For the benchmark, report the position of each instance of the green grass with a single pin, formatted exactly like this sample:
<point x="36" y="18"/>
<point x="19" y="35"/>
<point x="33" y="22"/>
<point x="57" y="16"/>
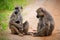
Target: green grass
<point x="10" y="4"/>
<point x="4" y="20"/>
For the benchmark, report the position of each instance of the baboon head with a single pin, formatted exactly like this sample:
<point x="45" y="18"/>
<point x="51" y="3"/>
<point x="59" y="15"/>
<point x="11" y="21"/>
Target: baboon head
<point x="40" y="12"/>
<point x="18" y="9"/>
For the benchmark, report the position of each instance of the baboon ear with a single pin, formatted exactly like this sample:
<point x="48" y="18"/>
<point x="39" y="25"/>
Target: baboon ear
<point x="21" y="7"/>
<point x="38" y="10"/>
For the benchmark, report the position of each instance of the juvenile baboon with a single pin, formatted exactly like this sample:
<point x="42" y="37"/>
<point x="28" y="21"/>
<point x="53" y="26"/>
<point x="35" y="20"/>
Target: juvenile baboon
<point x="25" y="27"/>
<point x="46" y="23"/>
<point x="15" y="23"/>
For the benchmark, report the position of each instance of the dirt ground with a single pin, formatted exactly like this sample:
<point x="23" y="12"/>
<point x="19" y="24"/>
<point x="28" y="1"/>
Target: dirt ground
<point x="52" y="6"/>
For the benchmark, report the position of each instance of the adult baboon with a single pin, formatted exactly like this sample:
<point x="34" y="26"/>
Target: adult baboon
<point x="15" y="23"/>
<point x="46" y="23"/>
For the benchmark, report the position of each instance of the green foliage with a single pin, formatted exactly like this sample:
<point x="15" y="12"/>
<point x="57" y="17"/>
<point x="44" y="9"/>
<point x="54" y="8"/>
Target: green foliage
<point x="4" y="4"/>
<point x="9" y="4"/>
<point x="3" y="20"/>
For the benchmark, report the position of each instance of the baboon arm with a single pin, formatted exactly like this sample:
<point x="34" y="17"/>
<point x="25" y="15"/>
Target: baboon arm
<point x="16" y="30"/>
<point x="13" y="23"/>
<point x="12" y="16"/>
<point x="46" y="27"/>
<point x="42" y="29"/>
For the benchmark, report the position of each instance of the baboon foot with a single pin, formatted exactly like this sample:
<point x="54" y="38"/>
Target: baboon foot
<point x="29" y="33"/>
<point x="48" y="34"/>
<point x="35" y="35"/>
<point x="38" y="35"/>
<point x="20" y="35"/>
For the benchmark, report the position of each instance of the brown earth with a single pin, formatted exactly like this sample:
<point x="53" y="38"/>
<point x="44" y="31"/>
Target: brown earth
<point x="52" y="6"/>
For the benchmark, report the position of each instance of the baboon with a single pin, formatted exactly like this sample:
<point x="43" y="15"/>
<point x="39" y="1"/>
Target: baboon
<point x="46" y="23"/>
<point x="25" y="27"/>
<point x="15" y="23"/>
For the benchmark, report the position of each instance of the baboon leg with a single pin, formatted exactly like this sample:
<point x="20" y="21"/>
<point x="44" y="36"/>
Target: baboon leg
<point x="11" y="28"/>
<point x="47" y="24"/>
<point x="51" y="29"/>
<point x="14" y="30"/>
<point x="40" y="32"/>
<point x="20" y="34"/>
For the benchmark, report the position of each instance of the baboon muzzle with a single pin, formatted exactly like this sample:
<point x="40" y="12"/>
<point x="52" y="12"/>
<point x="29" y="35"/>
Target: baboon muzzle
<point x="17" y="22"/>
<point x="16" y="12"/>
